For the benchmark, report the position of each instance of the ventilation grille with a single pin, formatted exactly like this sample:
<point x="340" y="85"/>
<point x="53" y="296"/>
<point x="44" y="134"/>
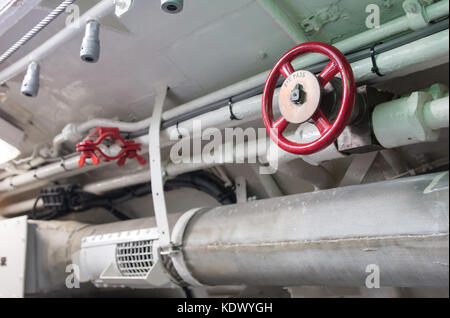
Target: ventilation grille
<point x="135" y="259"/>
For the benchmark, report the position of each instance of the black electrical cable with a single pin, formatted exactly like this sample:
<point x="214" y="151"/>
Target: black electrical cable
<point x="80" y="201"/>
<point x="33" y="211"/>
<point x="199" y="180"/>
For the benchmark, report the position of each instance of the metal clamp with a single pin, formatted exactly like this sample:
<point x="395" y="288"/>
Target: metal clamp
<point x="375" y="68"/>
<point x="90" y="149"/>
<point x="230" y="107"/>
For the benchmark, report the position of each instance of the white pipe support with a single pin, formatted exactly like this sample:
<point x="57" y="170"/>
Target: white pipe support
<point x="410" y="120"/>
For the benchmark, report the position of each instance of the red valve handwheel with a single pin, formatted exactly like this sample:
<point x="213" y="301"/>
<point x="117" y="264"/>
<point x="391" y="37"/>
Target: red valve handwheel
<point x="328" y="132"/>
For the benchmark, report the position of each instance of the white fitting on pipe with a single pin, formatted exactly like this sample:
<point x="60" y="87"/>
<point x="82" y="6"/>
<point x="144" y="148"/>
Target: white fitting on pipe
<point x="436" y="113"/>
<point x="410" y="120"/>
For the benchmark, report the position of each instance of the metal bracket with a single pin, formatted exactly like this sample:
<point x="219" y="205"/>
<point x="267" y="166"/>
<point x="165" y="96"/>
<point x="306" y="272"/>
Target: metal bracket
<point x="122" y="7"/>
<point x="415" y="13"/>
<point x="358" y="168"/>
<point x="157" y="173"/>
<point x="316" y="21"/>
<point x="241" y="189"/>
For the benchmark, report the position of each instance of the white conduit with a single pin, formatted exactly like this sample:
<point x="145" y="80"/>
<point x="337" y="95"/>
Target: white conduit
<point x="98" y="11"/>
<point x="420" y="54"/>
<point x="394" y="27"/>
<point x="426" y="50"/>
<point x="397" y="26"/>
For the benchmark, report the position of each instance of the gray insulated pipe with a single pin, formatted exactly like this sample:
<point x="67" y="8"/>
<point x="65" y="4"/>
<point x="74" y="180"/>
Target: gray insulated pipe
<point x="329" y="237"/>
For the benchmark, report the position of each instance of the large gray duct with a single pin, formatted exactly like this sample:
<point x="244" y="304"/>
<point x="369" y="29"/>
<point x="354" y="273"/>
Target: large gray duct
<point x="328" y="237"/>
<point x="324" y="238"/>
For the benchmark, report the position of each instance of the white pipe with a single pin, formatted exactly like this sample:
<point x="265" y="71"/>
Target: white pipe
<point x="97" y="12"/>
<point x="436" y="113"/>
<point x="410" y="58"/>
<point x="171" y="170"/>
<point x="114" y="183"/>
<point x="419" y="53"/>
<point x="394" y="27"/>
<point x="63" y="168"/>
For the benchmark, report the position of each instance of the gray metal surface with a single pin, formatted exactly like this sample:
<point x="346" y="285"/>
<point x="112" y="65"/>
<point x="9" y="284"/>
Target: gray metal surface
<point x="13" y="249"/>
<point x="327" y="237"/>
<point x="322" y="238"/>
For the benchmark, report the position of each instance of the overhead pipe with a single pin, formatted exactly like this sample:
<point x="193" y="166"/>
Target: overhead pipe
<point x="317" y="176"/>
<point x="420" y="53"/>
<point x="59" y="169"/>
<point x="417" y="53"/>
<point x="394" y="27"/>
<point x="399" y="226"/>
<point x="384" y="31"/>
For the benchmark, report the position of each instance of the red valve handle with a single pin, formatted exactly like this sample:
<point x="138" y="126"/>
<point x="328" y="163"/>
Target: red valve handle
<point x="328" y="132"/>
<point x="90" y="149"/>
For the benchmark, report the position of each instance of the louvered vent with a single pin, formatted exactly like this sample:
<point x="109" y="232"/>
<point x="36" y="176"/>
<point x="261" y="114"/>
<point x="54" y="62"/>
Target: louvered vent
<point x="135" y="259"/>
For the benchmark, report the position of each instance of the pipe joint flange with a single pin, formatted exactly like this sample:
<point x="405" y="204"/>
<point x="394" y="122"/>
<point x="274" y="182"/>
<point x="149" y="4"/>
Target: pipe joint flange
<point x="401" y="122"/>
<point x="415" y="13"/>
<point x="177" y="257"/>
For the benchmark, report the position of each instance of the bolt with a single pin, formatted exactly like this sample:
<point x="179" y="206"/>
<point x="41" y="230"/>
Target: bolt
<point x="297" y="95"/>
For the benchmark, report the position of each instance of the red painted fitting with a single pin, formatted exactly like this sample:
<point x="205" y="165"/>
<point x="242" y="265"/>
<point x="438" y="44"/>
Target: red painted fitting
<point x="90" y="149"/>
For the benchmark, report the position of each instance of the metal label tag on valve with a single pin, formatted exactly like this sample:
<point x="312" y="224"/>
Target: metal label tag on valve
<point x="299" y="97"/>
